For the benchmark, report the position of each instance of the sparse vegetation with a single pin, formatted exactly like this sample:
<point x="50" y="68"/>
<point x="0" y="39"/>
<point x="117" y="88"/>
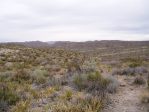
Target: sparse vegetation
<point x="89" y="104"/>
<point x="7" y="97"/>
<point x="131" y="71"/>
<point x="75" y="79"/>
<point x="22" y="106"/>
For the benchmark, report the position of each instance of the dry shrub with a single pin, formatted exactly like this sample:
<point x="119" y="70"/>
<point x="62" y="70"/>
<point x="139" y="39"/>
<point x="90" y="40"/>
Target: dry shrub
<point x="93" y="83"/>
<point x="88" y="104"/>
<point x="139" y="80"/>
<point x="113" y="85"/>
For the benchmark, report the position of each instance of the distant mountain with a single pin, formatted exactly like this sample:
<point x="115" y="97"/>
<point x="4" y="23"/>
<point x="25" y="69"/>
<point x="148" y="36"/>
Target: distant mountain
<point x="88" y="45"/>
<point x="34" y="44"/>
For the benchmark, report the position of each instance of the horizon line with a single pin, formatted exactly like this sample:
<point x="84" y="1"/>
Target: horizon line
<point x="71" y="41"/>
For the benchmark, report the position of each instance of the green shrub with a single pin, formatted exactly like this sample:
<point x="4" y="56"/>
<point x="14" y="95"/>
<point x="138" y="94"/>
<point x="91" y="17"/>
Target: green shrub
<point x="113" y="85"/>
<point x="79" y="82"/>
<point x="93" y="82"/>
<point x="39" y="76"/>
<point x="94" y="76"/>
<point x="22" y="106"/>
<point x="7" y="95"/>
<point x="67" y="95"/>
<point x="6" y="76"/>
<point x="131" y="71"/>
<point x="96" y="83"/>
<point x="135" y="64"/>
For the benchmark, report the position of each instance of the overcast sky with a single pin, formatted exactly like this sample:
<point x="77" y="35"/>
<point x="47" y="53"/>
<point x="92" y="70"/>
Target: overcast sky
<point x="74" y="20"/>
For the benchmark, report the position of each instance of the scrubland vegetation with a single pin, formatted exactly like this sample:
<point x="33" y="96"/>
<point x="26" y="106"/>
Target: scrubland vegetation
<point x="55" y="79"/>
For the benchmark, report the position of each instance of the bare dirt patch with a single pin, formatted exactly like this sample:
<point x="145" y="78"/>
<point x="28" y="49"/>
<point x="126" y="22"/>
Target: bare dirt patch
<point x="127" y="99"/>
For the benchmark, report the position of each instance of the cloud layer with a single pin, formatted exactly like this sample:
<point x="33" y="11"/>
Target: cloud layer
<point x="74" y="20"/>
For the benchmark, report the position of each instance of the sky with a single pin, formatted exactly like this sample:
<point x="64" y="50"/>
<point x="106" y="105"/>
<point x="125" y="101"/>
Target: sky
<point x="73" y="20"/>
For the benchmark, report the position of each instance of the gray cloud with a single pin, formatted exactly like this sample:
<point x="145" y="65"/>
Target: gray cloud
<point x="76" y="20"/>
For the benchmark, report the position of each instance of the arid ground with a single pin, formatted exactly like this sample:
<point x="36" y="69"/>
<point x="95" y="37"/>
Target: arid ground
<point x="93" y="76"/>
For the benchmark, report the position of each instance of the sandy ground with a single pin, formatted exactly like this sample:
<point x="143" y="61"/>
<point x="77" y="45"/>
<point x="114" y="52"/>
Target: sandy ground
<point x="127" y="99"/>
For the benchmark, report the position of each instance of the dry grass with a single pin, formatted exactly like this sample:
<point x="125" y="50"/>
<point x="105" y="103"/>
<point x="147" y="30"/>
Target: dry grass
<point x="30" y="75"/>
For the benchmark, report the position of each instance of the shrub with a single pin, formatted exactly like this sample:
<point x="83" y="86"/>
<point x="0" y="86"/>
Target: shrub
<point x="8" y="96"/>
<point x="35" y="94"/>
<point x="22" y="106"/>
<point x="131" y="71"/>
<point x="39" y="76"/>
<point x="113" y="85"/>
<point x="79" y="82"/>
<point x="89" y="104"/>
<point x="6" y="76"/>
<point x="21" y="75"/>
<point x="139" y="80"/>
<point x="92" y="104"/>
<point x="96" y="84"/>
<point x="141" y="70"/>
<point x="53" y="81"/>
<point x="67" y="95"/>
<point x="46" y="92"/>
<point x="92" y="82"/>
<point x="128" y="71"/>
<point x="4" y="106"/>
<point x="98" y="87"/>
<point x="135" y="64"/>
<point x="94" y="76"/>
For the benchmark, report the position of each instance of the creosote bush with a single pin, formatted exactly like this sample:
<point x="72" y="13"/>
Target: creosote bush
<point x="93" y="83"/>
